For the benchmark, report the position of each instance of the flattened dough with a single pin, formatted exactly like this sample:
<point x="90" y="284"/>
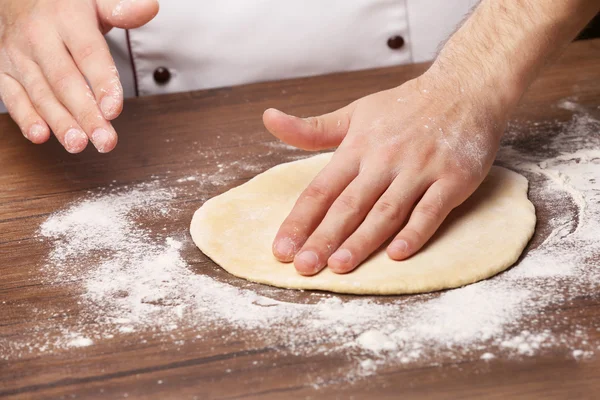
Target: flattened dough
<point x="482" y="237"/>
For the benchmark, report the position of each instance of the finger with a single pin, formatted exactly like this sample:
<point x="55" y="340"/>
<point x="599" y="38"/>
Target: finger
<point x="315" y="133"/>
<point x="65" y="128"/>
<point x="22" y="111"/>
<point x="72" y="91"/>
<point x="384" y="220"/>
<point x="344" y="216"/>
<point x="312" y="205"/>
<point x="127" y="14"/>
<point x="92" y="57"/>
<point x="426" y="218"/>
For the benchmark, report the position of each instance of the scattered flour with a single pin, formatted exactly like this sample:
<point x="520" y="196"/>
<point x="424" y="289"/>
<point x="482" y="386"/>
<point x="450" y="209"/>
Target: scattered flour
<point x="80" y="341"/>
<point x="134" y="281"/>
<point x="569" y="104"/>
<point x="220" y="173"/>
<point x="187" y="179"/>
<point x="281" y="146"/>
<point x="376" y="341"/>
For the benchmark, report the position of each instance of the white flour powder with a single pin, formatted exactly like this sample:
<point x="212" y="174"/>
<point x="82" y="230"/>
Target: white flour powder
<point x="134" y="281"/>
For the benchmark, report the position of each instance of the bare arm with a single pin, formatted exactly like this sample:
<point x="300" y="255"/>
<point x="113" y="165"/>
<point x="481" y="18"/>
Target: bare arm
<point x="504" y="44"/>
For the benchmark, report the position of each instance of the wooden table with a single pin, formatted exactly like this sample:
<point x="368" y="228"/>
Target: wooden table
<point x="161" y="137"/>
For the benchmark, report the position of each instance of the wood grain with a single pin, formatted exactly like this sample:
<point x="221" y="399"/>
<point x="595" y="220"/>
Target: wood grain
<point x="169" y="137"/>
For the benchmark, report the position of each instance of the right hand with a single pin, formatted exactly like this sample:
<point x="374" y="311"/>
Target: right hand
<point x="48" y="49"/>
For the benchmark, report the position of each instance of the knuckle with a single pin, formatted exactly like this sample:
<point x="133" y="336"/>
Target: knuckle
<point x="35" y="31"/>
<point x="354" y="144"/>
<point x="94" y="51"/>
<point x="39" y="93"/>
<point x="85" y="51"/>
<point x="421" y="159"/>
<point x="388" y="210"/>
<point x="316" y="192"/>
<point x="348" y="204"/>
<point x="429" y="211"/>
<point x="60" y="79"/>
<point x="387" y="159"/>
<point x="12" y="53"/>
<point x="29" y="73"/>
<point x="32" y="31"/>
<point x="315" y="123"/>
<point x="87" y="116"/>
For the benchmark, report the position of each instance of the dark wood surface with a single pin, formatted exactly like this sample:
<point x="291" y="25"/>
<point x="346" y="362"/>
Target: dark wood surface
<point x="162" y="137"/>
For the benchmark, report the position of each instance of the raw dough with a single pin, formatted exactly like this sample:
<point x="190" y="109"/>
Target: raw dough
<point x="482" y="237"/>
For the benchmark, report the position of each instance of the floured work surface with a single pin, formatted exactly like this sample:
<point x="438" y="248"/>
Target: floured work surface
<point x="483" y="236"/>
<point x="132" y="281"/>
<point x="105" y="295"/>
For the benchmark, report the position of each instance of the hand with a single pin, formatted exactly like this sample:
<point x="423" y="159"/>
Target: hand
<point x="48" y="49"/>
<point x="406" y="157"/>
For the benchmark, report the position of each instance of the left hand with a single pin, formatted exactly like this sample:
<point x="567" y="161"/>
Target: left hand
<point x="406" y="157"/>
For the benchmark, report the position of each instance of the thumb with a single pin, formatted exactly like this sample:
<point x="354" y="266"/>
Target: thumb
<point x="314" y="133"/>
<point x="126" y="13"/>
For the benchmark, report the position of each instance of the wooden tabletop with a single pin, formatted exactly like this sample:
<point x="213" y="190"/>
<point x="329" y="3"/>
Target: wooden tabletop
<point x="167" y="138"/>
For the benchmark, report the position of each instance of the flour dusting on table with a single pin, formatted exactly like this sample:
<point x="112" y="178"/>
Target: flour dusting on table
<point x="136" y="281"/>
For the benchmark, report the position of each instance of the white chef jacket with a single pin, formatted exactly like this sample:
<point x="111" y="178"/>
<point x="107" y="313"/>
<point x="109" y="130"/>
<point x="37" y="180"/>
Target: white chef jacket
<point x="208" y="43"/>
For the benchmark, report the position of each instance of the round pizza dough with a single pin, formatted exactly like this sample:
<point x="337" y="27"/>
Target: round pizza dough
<point x="479" y="239"/>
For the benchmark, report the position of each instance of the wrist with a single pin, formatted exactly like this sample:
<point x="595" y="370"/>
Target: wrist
<point x="496" y="89"/>
<point x="483" y="98"/>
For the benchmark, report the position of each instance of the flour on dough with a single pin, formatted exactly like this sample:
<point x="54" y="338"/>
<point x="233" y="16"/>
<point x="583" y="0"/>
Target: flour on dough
<point x="479" y="239"/>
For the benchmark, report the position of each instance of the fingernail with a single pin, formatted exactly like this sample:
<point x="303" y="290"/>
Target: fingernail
<point x="276" y="111"/>
<point x="122" y="9"/>
<point x="343" y="256"/>
<point x="35" y="132"/>
<point x="307" y="260"/>
<point x="75" y="140"/>
<point x="285" y="248"/>
<point x="109" y="105"/>
<point x="102" y="139"/>
<point x="398" y="246"/>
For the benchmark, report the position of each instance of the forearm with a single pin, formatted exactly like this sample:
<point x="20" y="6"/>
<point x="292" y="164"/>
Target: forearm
<point x="502" y="46"/>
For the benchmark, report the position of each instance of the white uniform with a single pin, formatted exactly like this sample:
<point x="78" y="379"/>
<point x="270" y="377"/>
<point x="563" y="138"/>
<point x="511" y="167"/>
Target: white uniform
<point x="205" y="44"/>
<point x="200" y="44"/>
